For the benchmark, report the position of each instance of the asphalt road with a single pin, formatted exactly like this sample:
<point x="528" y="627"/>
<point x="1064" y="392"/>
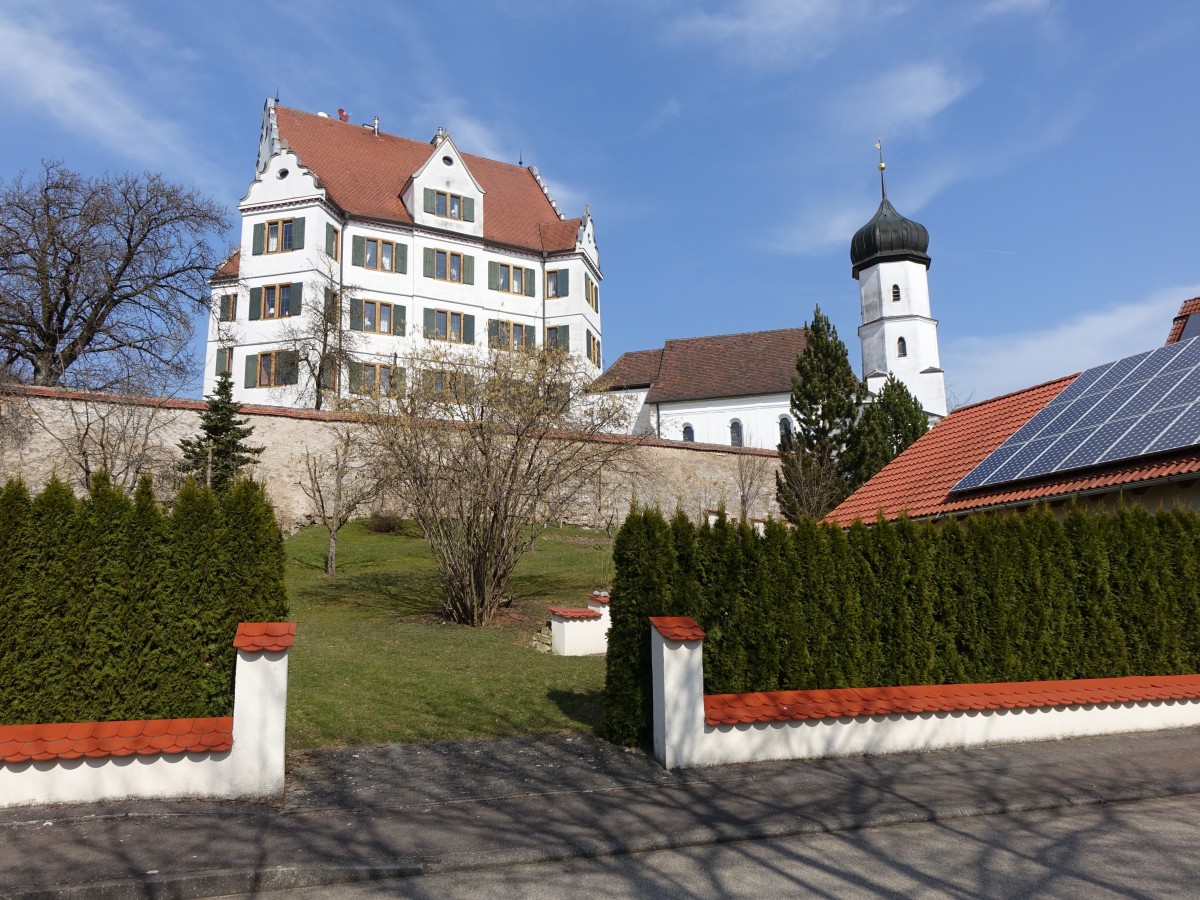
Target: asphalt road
<point x="1147" y="848"/>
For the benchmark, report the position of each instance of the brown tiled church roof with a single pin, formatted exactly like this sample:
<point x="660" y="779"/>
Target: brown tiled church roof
<point x="365" y="174"/>
<point x="703" y="368"/>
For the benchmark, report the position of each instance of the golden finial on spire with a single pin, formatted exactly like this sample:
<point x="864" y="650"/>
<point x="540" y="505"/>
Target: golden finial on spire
<point x="882" y="166"/>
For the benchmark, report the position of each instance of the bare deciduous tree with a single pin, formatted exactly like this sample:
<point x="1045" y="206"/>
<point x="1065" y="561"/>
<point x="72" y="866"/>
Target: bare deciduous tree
<point x="488" y="449"/>
<point x="753" y="474"/>
<point x="340" y="483"/>
<point x="100" y="277"/>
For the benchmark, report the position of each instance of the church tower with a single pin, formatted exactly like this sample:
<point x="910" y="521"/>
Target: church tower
<point x="898" y="334"/>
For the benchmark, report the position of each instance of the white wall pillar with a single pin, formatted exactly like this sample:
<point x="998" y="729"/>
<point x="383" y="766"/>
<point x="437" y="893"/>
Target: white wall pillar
<point x="677" y="662"/>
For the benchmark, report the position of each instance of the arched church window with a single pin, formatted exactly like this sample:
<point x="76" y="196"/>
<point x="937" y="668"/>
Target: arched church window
<point x="895" y="293"/>
<point x="689" y="433"/>
<point x="735" y="433"/>
<point x="901" y="347"/>
<point x="785" y="427"/>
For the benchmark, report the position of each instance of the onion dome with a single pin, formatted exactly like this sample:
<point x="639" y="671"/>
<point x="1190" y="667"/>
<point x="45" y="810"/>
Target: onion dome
<point x="889" y="237"/>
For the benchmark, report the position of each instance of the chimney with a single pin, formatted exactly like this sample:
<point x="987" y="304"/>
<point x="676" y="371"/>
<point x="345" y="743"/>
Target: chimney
<point x="375" y="125"/>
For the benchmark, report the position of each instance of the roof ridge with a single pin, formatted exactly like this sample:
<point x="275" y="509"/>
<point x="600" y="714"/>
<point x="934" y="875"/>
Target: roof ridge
<point x="1016" y="393"/>
<point x="706" y="337"/>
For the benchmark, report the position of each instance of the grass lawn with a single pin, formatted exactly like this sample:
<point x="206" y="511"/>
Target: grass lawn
<point x="374" y="663"/>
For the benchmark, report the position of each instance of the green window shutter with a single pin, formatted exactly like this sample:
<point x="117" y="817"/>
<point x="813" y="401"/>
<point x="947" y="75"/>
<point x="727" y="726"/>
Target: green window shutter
<point x="296" y="304"/>
<point x="599" y="356"/>
<point x="428" y="262"/>
<point x="430" y="323"/>
<point x="358" y="250"/>
<point x="468" y="329"/>
<point x="355" y="377"/>
<point x="399" y="321"/>
<point x="255" y="303"/>
<point x="468" y="209"/>
<point x="530" y="338"/>
<point x="493" y="333"/>
<point x="493" y="275"/>
<point x="326" y="374"/>
<point x="564" y="336"/>
<point x="289" y="367"/>
<point x="298" y="234"/>
<point x="587" y="345"/>
<point x="330" y="307"/>
<point x="356" y="313"/>
<point x="402" y="259"/>
<point x="223" y="315"/>
<point x="597" y="298"/>
<point x="468" y="270"/>
<point x="398" y="380"/>
<point x="564" y="283"/>
<point x="259" y="241"/>
<point x="587" y="287"/>
<point x="430" y="200"/>
<point x="252" y="370"/>
<point x="222" y="360"/>
<point x="330" y="240"/>
<point x="530" y="288"/>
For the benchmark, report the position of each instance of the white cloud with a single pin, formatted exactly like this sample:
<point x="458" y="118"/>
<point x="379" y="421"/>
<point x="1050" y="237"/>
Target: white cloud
<point x="819" y="230"/>
<point x="1019" y="7"/>
<point x="900" y="101"/>
<point x="670" y="109"/>
<point x="772" y="33"/>
<point x="47" y="73"/>
<point x="981" y="367"/>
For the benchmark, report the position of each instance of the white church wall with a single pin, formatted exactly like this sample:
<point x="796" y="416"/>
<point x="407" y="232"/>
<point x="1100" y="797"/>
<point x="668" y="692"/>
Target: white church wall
<point x="710" y="419"/>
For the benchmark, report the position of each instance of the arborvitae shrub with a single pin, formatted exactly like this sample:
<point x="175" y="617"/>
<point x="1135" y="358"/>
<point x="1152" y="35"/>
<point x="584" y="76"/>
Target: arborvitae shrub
<point x="1001" y="597"/>
<point x="109" y="610"/>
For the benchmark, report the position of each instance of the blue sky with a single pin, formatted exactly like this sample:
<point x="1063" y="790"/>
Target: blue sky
<point x="726" y="149"/>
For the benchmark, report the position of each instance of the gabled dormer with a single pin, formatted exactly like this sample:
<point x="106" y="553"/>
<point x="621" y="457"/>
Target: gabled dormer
<point x="586" y="240"/>
<point x="282" y="179"/>
<point x="443" y="193"/>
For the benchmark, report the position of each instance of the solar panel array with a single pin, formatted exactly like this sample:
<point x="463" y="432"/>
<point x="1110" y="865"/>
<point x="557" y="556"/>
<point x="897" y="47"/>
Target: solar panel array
<point x="1142" y="404"/>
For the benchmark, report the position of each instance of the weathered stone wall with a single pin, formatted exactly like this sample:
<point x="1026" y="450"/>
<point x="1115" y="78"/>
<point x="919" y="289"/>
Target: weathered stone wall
<point x="47" y="432"/>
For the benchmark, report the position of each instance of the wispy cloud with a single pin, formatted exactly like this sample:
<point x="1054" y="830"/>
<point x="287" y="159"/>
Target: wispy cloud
<point x="1009" y="7"/>
<point x="772" y="33"/>
<point x="669" y="109"/>
<point x="47" y="73"/>
<point x="983" y="367"/>
<point x="900" y="101"/>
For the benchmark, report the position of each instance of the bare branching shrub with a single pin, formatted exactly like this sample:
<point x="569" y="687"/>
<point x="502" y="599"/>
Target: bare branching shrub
<point x="340" y="482"/>
<point x="487" y="449"/>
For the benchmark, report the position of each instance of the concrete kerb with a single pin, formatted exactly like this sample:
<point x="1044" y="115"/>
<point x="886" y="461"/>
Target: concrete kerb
<point x="221" y="882"/>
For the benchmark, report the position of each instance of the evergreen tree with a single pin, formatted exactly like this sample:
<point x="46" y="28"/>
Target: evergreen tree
<point x="220" y="451"/>
<point x="825" y="398"/>
<point x="885" y="429"/>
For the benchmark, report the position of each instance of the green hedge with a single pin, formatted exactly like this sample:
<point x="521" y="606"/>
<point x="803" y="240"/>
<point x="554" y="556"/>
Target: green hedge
<point x="1001" y="597"/>
<point x="112" y="609"/>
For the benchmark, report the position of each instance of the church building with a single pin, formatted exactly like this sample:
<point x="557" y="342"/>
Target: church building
<point x="358" y="248"/>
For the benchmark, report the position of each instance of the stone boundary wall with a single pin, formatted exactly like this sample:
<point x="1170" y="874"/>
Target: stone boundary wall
<point x="46" y="431"/>
<point x="694" y="729"/>
<point x="218" y="758"/>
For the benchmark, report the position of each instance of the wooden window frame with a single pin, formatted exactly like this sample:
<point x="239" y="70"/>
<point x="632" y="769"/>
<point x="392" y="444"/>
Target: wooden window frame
<point x="273" y="381"/>
<point x="282" y="231"/>
<point x="379" y="304"/>
<point x="449" y="330"/>
<point x="512" y="271"/>
<point x="231" y="299"/>
<point x="337" y="246"/>
<point x="593" y="295"/>
<point x="552" y="344"/>
<point x="506" y="329"/>
<point x="593" y="349"/>
<point x="449" y="199"/>
<point x="278" y="288"/>
<point x="379" y="244"/>
<point x="376" y="369"/>
<point x="448" y="256"/>
<point x="552" y="295"/>
<point x="228" y="370"/>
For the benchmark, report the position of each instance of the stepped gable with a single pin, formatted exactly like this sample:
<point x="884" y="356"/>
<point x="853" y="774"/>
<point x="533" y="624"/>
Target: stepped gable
<point x="365" y="174"/>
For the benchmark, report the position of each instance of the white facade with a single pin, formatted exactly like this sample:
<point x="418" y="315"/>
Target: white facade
<point x="714" y="421"/>
<point x="898" y="332"/>
<point x="392" y="282"/>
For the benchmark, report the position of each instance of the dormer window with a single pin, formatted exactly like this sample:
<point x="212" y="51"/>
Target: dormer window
<point x="449" y="206"/>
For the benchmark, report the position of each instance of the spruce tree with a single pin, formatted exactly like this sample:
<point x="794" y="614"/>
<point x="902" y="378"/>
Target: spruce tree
<point x="219" y="452"/>
<point x="825" y="398"/>
<point x="886" y="428"/>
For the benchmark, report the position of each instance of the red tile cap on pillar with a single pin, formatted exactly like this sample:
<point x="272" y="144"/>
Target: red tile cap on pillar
<point x="677" y="628"/>
<point x="256" y="637"/>
<point x="569" y="612"/>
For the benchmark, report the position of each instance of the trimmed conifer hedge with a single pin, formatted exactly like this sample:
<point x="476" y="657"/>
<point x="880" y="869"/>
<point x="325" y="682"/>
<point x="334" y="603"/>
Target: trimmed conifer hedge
<point x="111" y="609"/>
<point x="1000" y="597"/>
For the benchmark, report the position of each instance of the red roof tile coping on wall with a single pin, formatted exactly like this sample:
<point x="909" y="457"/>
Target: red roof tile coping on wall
<point x="96" y="740"/>
<point x="256" y="637"/>
<point x="564" y="612"/>
<point x="784" y="706"/>
<point x="1189" y="308"/>
<point x="677" y="628"/>
<point x="599" y="597"/>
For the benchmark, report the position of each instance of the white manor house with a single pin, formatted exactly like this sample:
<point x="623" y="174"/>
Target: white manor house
<point x="411" y="242"/>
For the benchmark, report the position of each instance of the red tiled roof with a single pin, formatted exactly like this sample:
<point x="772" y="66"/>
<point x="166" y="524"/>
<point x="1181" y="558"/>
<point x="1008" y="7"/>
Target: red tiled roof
<point x="230" y="268"/>
<point x="566" y="612"/>
<point x="599" y="597"/>
<point x="21" y="743"/>
<point x="722" y="365"/>
<point x="782" y="706"/>
<point x="365" y="174"/>
<point x="917" y="483"/>
<point x="265" y="636"/>
<point x="677" y="628"/>
<point x="1180" y="321"/>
